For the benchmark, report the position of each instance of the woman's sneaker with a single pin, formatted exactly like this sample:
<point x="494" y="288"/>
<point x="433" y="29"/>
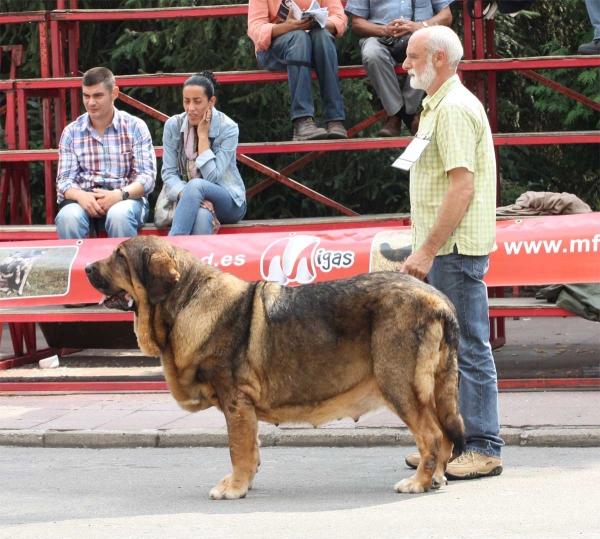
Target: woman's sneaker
<point x="470" y="465"/>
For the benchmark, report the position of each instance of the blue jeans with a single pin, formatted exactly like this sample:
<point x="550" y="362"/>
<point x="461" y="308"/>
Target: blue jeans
<point x="593" y="9"/>
<point x="318" y="48"/>
<point x="460" y="277"/>
<point x="190" y="218"/>
<point x="122" y="220"/>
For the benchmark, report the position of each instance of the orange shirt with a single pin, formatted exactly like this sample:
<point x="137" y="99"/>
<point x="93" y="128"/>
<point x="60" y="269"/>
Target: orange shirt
<point x="262" y="16"/>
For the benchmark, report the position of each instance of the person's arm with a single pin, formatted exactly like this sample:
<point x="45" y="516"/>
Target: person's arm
<point x="452" y="210"/>
<point x="337" y="21"/>
<point x="68" y="167"/>
<point x="67" y="178"/>
<point x="169" y="171"/>
<point x="143" y="173"/>
<point x="260" y="26"/>
<point x="364" y="28"/>
<point x="214" y="164"/>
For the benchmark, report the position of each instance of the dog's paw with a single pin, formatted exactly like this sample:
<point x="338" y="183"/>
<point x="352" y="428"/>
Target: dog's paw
<point x="228" y="489"/>
<point x="438" y="482"/>
<point x="409" y="486"/>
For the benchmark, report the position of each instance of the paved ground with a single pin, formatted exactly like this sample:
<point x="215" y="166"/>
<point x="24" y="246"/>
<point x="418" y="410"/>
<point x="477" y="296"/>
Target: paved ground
<point x="544" y="493"/>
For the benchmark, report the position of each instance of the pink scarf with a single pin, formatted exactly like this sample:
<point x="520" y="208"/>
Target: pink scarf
<point x="190" y="142"/>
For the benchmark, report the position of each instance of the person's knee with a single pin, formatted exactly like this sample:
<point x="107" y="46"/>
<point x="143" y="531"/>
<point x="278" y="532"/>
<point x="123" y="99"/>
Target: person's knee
<point x="373" y="54"/>
<point x="195" y="188"/>
<point x="321" y="36"/>
<point x="299" y="46"/>
<point x="122" y="220"/>
<point x="72" y="222"/>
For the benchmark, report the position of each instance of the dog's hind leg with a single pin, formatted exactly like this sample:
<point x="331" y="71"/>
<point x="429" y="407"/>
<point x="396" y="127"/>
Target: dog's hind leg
<point x="405" y="373"/>
<point x="428" y="437"/>
<point x="242" y="427"/>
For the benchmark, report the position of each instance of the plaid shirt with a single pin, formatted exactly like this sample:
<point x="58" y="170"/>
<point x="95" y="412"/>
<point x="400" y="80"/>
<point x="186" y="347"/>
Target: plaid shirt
<point x="122" y="156"/>
<point x="454" y="120"/>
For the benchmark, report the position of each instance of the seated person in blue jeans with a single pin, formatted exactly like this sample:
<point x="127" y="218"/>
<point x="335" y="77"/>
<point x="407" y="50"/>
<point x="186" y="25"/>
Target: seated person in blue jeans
<point x="297" y="46"/>
<point x="106" y="165"/>
<point x="199" y="168"/>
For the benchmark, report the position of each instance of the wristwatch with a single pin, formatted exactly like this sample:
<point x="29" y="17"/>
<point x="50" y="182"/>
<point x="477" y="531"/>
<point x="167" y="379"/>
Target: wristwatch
<point x="425" y="24"/>
<point x="125" y="193"/>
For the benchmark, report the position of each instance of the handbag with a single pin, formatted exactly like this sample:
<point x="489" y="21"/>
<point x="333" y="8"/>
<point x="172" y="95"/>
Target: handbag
<point x="398" y="45"/>
<point x="164" y="210"/>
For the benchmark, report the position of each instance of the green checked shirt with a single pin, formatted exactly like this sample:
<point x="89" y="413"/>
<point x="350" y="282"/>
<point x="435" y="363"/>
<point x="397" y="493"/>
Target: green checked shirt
<point x="455" y="122"/>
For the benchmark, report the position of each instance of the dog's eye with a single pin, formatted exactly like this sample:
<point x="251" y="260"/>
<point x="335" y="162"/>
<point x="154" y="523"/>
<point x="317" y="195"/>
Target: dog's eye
<point x="120" y="256"/>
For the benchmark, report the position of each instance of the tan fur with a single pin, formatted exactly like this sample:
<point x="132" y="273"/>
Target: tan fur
<point x="258" y="351"/>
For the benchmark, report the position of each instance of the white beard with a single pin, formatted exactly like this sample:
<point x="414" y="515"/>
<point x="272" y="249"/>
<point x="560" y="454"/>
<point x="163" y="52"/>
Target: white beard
<point x="425" y="79"/>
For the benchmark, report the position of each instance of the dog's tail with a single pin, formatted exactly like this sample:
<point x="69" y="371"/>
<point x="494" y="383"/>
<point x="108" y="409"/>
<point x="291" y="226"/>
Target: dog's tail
<point x="446" y="382"/>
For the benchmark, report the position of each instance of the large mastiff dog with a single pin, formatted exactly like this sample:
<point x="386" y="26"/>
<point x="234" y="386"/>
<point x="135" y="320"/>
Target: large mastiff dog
<point x="313" y="353"/>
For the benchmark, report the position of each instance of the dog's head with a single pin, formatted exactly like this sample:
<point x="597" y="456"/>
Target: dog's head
<point x="141" y="269"/>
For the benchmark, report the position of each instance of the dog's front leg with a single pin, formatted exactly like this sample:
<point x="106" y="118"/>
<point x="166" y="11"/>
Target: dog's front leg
<point x="242" y="427"/>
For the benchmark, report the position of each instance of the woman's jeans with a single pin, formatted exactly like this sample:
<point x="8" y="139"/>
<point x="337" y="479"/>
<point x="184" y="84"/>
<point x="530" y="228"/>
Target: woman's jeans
<point x="190" y="218"/>
<point x="316" y="47"/>
<point x="460" y="277"/>
<point x="122" y="220"/>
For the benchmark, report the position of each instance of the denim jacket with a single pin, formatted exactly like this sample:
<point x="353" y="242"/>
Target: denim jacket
<point x="217" y="164"/>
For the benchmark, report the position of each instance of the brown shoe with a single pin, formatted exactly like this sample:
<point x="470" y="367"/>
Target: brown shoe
<point x="471" y="465"/>
<point x="336" y="130"/>
<point x="306" y="129"/>
<point x="412" y="460"/>
<point x="391" y="127"/>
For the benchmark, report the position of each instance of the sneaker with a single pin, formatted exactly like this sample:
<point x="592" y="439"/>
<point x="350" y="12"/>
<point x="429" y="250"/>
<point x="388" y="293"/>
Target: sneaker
<point x="471" y="465"/>
<point x="412" y="460"/>
<point x="391" y="127"/>
<point x="336" y="130"/>
<point x="590" y="48"/>
<point x="306" y="129"/>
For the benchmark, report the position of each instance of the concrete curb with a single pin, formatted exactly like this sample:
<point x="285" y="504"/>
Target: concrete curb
<point x="273" y="436"/>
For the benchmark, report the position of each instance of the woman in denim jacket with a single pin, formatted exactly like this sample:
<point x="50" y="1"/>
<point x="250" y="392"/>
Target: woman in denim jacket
<point x="199" y="168"/>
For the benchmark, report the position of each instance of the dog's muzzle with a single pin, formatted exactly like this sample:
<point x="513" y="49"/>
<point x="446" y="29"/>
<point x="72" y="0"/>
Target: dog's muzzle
<point x="120" y="300"/>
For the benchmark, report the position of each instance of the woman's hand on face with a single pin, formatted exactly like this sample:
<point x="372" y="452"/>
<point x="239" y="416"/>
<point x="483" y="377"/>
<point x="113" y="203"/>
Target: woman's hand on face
<point x="204" y="125"/>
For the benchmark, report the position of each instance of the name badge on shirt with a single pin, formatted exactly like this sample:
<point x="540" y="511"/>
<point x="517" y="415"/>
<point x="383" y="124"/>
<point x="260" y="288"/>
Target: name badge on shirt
<point x="411" y="154"/>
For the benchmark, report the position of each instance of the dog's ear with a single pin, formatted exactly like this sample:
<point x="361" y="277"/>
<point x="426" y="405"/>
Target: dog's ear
<point x="160" y="275"/>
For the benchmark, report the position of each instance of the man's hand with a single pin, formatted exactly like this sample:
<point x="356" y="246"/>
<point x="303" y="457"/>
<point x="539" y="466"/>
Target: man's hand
<point x="89" y="203"/>
<point x="418" y="264"/>
<point x="400" y="27"/>
<point x="106" y="199"/>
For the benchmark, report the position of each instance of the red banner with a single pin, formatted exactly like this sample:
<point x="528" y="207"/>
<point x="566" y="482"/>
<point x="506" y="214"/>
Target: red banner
<point x="533" y="251"/>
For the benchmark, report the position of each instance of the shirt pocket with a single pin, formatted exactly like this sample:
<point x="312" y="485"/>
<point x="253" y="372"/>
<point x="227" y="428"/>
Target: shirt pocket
<point x="125" y="160"/>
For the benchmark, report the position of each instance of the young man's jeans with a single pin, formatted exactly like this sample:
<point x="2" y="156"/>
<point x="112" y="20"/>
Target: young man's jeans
<point x="460" y="277"/>
<point x="190" y="218"/>
<point x="316" y="47"/>
<point x="122" y="220"/>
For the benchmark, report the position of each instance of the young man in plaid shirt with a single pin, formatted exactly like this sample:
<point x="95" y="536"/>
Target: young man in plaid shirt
<point x="106" y="166"/>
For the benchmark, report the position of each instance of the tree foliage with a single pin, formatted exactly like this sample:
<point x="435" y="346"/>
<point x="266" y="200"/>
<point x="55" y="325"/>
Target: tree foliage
<point x="361" y="180"/>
